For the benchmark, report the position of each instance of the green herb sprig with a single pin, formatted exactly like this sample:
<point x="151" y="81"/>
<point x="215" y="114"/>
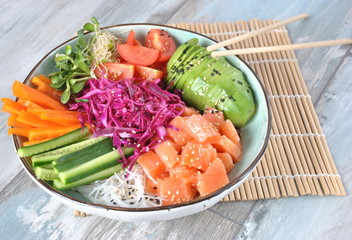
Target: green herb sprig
<point x="75" y="63"/>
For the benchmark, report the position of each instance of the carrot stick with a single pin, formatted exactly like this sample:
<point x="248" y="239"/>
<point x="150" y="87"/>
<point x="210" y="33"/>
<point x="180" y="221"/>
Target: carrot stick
<point x="19" y="131"/>
<point x="9" y="109"/>
<point x="21" y="90"/>
<point x="45" y="87"/>
<point x="28" y="143"/>
<point x="12" y="122"/>
<point x="33" y="120"/>
<point x="57" y="116"/>
<point x="13" y="104"/>
<point x="50" y="91"/>
<point x="45" y="79"/>
<point x="28" y="104"/>
<point x="50" y="132"/>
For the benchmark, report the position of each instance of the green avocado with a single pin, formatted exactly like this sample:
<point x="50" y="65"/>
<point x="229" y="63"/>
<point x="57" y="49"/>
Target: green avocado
<point x="208" y="81"/>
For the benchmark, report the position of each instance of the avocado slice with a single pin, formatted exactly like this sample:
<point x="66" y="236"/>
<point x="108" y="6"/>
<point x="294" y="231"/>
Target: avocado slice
<point x="207" y="81"/>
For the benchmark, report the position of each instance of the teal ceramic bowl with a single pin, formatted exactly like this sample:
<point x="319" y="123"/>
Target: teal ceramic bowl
<point x="254" y="139"/>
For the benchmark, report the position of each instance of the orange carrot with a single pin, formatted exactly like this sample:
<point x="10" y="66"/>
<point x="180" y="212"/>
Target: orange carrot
<point x="45" y="87"/>
<point x="12" y="122"/>
<point x="21" y="90"/>
<point x="28" y="143"/>
<point x="57" y="116"/>
<point x="45" y="79"/>
<point x="19" y="131"/>
<point x="50" y="91"/>
<point x="9" y="109"/>
<point x="33" y="120"/>
<point x="28" y="104"/>
<point x="13" y="104"/>
<point x="50" y="132"/>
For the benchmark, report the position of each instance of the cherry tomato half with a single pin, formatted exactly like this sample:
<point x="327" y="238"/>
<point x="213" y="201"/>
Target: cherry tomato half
<point x="130" y="38"/>
<point x="147" y="73"/>
<point x="138" y="55"/>
<point x="115" y="71"/>
<point x="161" y="40"/>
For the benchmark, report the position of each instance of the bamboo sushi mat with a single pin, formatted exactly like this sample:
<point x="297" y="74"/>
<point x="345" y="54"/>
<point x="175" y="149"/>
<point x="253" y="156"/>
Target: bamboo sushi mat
<point x="297" y="161"/>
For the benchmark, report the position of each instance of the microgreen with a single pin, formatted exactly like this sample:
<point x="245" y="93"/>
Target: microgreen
<point x="75" y="63"/>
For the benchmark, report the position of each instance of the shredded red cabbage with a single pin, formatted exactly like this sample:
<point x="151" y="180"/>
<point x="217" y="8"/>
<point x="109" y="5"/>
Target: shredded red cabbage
<point x="134" y="113"/>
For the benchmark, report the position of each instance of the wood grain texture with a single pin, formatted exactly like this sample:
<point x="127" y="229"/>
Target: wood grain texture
<point x="29" y="29"/>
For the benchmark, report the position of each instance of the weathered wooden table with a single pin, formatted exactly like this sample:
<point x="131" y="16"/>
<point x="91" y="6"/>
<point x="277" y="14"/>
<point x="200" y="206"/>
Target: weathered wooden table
<point x="29" y="29"/>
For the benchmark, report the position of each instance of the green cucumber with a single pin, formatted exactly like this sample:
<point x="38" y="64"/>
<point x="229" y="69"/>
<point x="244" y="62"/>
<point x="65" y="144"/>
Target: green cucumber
<point x="58" y="184"/>
<point x="46" y="172"/>
<point x="48" y="157"/>
<point x="74" y="159"/>
<point x="53" y="143"/>
<point x="96" y="165"/>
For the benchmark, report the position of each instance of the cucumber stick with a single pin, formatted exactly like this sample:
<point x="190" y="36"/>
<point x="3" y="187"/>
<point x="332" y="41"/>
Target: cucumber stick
<point x="83" y="155"/>
<point x="48" y="157"/>
<point x="93" y="166"/>
<point x="46" y="172"/>
<point x="63" y="140"/>
<point x="58" y="184"/>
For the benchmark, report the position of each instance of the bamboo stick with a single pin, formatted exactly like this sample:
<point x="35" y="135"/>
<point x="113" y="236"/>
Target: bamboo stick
<point x="256" y="32"/>
<point x="282" y="47"/>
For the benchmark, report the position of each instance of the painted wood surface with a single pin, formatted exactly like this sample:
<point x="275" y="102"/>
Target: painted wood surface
<point x="29" y="29"/>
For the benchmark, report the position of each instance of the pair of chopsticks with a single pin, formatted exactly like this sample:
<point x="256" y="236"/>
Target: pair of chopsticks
<point x="272" y="48"/>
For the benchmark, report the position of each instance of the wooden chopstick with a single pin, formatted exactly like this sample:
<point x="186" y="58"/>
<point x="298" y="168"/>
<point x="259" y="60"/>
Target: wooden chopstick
<point x="282" y="47"/>
<point x="256" y="32"/>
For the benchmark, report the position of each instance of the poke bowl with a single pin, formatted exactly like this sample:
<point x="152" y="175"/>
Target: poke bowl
<point x="254" y="137"/>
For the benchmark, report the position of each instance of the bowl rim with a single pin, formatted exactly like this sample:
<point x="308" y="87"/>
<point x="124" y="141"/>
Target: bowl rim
<point x="198" y="200"/>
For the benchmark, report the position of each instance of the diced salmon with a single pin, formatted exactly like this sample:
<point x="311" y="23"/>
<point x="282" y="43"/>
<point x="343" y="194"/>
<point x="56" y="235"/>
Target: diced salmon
<point x="189" y="111"/>
<point x="179" y="135"/>
<point x="223" y="144"/>
<point x="214" y="116"/>
<point x="200" y="129"/>
<point x="173" y="190"/>
<point x="226" y="160"/>
<point x="167" y="153"/>
<point x="186" y="174"/>
<point x="228" y="129"/>
<point x="197" y="155"/>
<point x="152" y="165"/>
<point x="150" y="186"/>
<point x="213" y="178"/>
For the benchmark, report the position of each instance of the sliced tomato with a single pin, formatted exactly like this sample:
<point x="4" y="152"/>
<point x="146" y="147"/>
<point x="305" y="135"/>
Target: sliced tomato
<point x="115" y="71"/>
<point x="130" y="38"/>
<point x="147" y="73"/>
<point x="137" y="43"/>
<point x="161" y="40"/>
<point x="161" y="66"/>
<point x="138" y="55"/>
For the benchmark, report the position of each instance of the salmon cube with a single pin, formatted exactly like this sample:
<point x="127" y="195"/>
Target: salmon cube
<point x="150" y="186"/>
<point x="226" y="160"/>
<point x="214" y="116"/>
<point x="200" y="128"/>
<point x="186" y="174"/>
<point x="189" y="111"/>
<point x="173" y="190"/>
<point x="223" y="144"/>
<point x="152" y="165"/>
<point x="228" y="129"/>
<point x="197" y="155"/>
<point x="178" y="133"/>
<point x="167" y="153"/>
<point x="213" y="178"/>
